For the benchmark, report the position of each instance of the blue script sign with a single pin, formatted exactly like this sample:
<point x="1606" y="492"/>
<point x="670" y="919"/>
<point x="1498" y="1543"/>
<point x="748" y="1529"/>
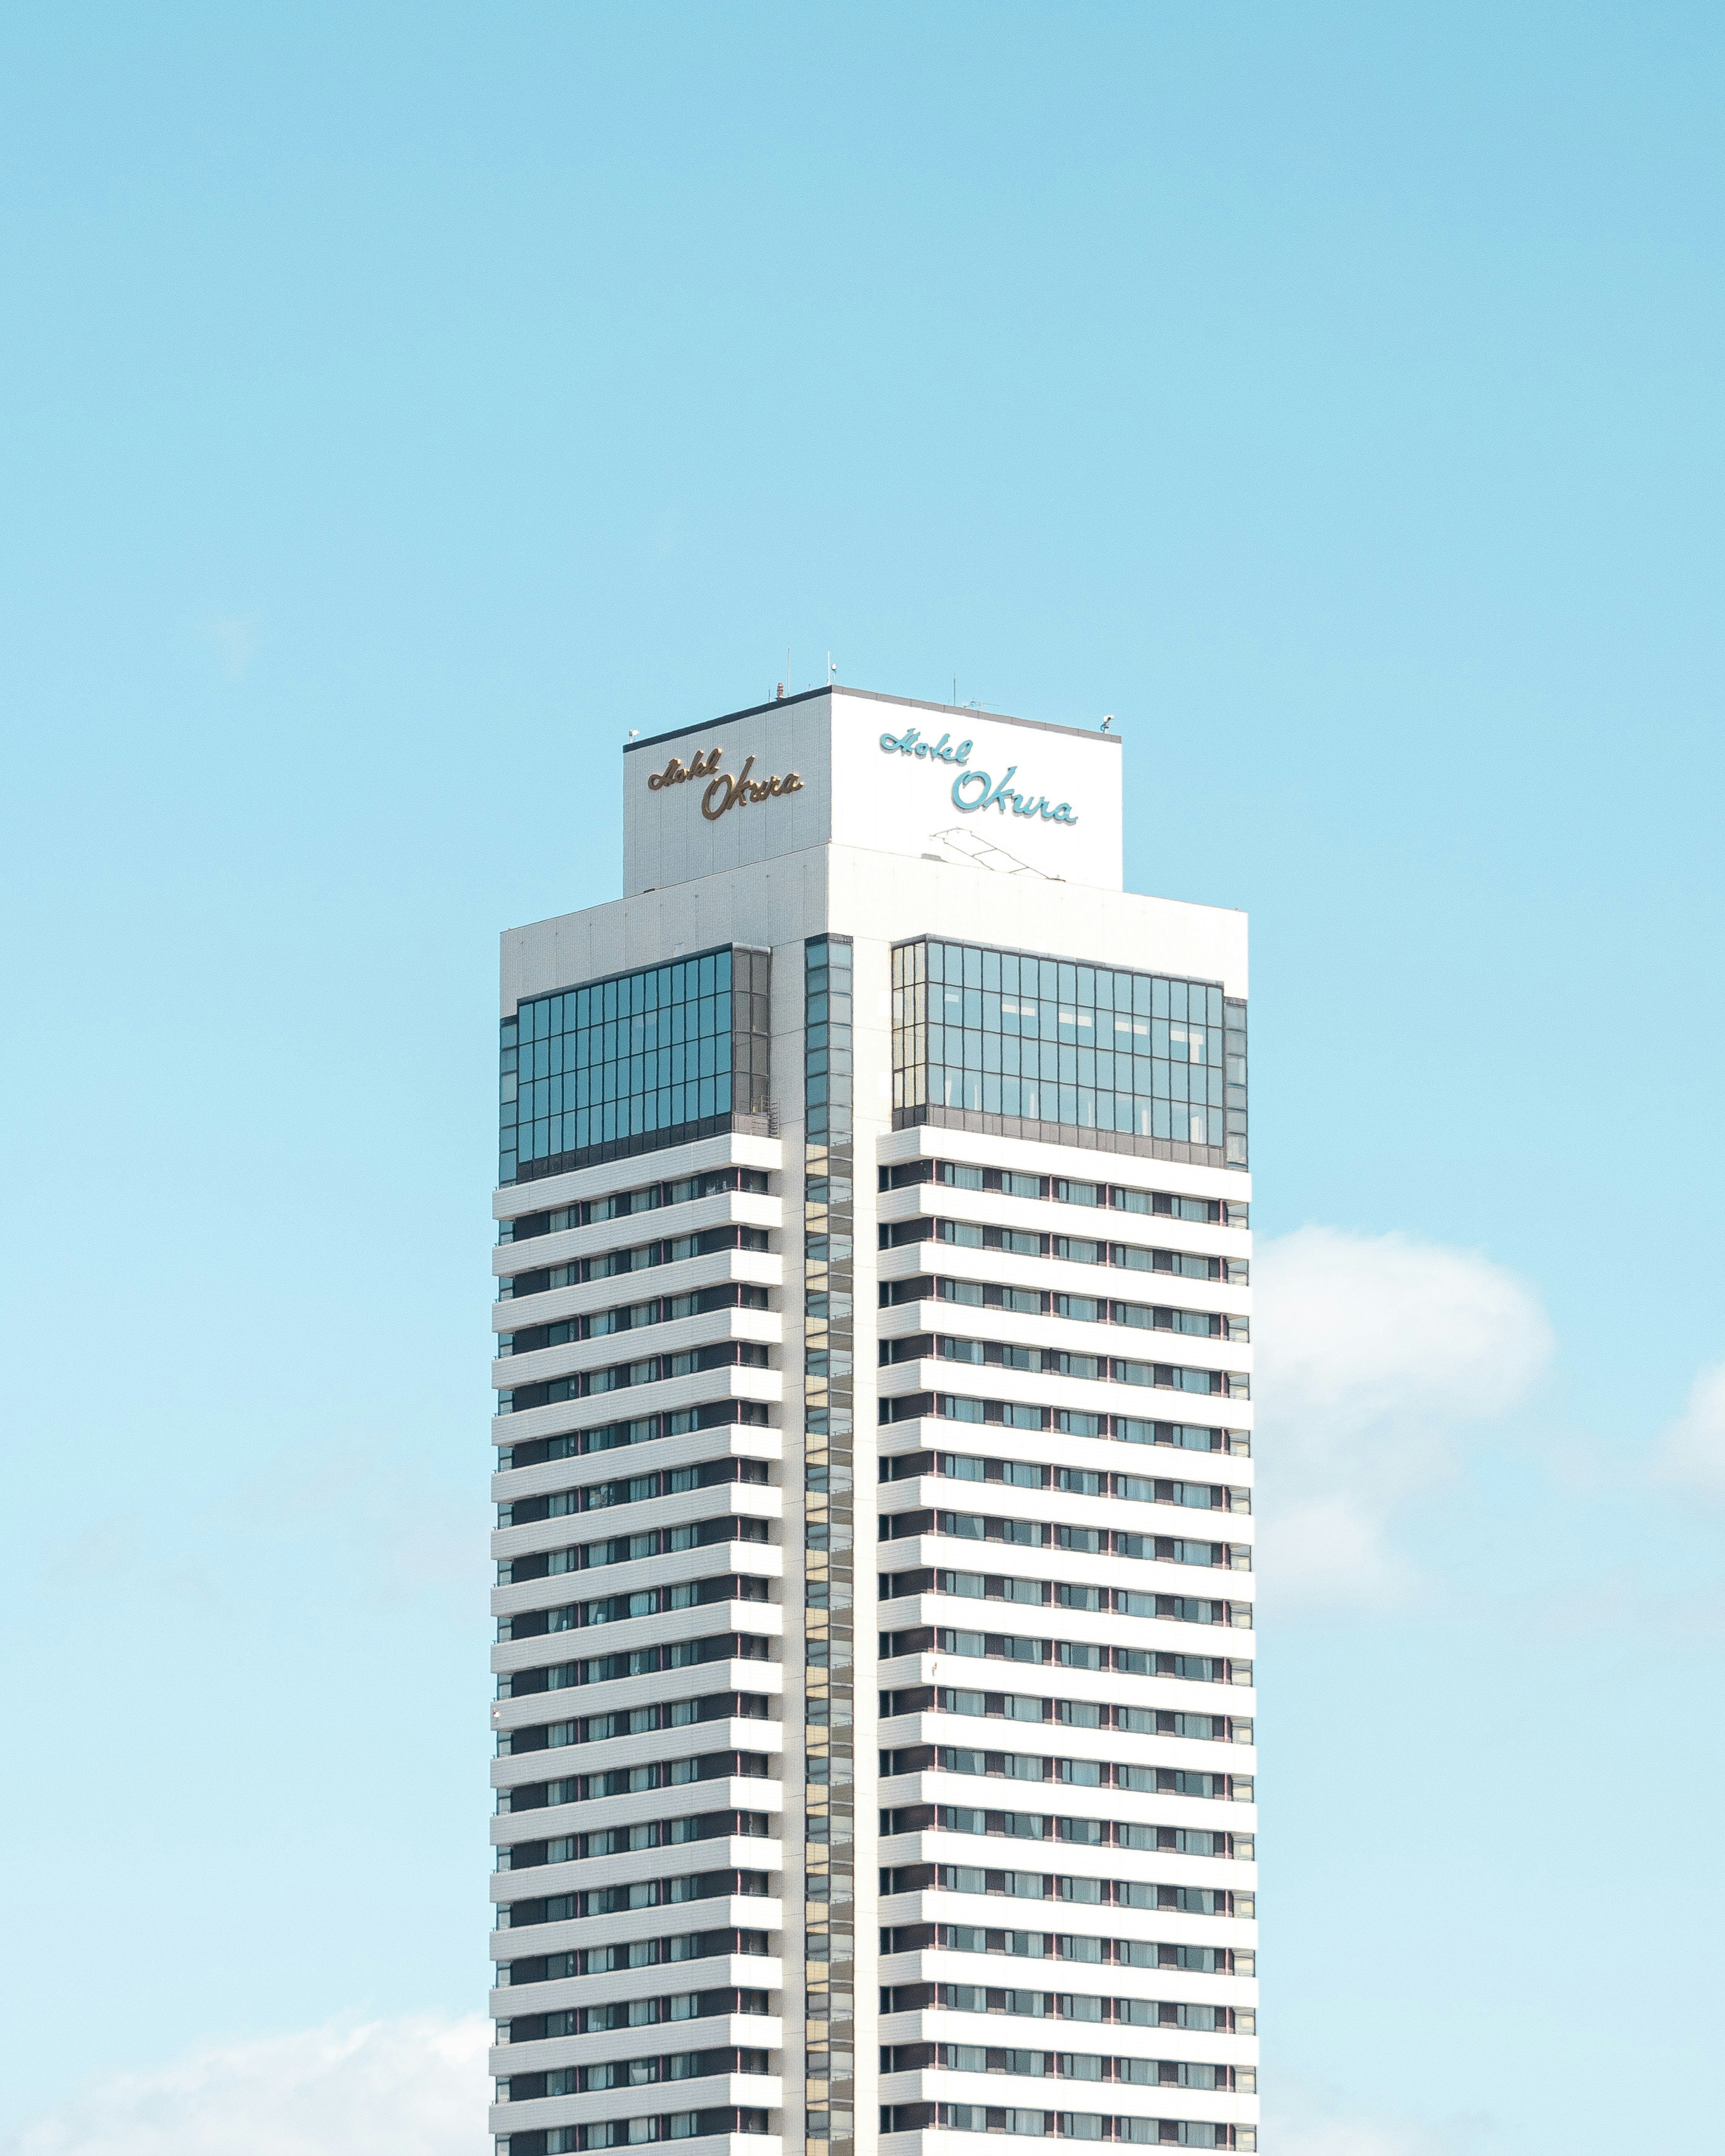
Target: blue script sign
<point x="985" y="792"/>
<point x="910" y="742"/>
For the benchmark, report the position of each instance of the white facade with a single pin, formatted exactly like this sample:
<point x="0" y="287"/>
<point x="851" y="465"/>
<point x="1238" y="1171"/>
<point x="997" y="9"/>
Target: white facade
<point x="925" y="795"/>
<point x="900" y="1448"/>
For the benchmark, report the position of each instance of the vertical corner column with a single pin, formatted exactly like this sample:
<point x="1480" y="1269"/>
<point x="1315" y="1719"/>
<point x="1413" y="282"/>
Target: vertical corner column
<point x="829" y="1574"/>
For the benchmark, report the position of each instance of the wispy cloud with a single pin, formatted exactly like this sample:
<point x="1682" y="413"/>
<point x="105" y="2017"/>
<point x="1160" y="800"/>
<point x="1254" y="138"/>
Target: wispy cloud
<point x="1377" y="1352"/>
<point x="1692" y="1450"/>
<point x="418" y="1537"/>
<point x="1303" y="2119"/>
<point x="410" y="2087"/>
<point x="235" y="640"/>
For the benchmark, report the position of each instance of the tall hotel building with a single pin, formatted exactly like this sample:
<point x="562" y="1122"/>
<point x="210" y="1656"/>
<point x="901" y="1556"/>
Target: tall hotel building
<point x="874" y="1644"/>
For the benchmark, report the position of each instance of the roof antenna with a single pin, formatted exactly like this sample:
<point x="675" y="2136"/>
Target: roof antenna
<point x="1107" y="722"/>
<point x="832" y="670"/>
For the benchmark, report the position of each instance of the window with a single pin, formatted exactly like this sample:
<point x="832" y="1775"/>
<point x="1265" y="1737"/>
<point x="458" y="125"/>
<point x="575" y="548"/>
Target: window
<point x="1009" y="1042"/>
<point x="625" y="1066"/>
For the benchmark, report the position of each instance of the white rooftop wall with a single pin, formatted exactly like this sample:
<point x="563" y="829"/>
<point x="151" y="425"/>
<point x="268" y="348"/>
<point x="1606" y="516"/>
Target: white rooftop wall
<point x="1049" y="796"/>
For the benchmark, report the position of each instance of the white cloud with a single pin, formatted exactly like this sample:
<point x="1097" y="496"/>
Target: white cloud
<point x="1304" y="2120"/>
<point x="1376" y="1351"/>
<point x="1692" y="1450"/>
<point x="415" y="2087"/>
<point x="1353" y="2137"/>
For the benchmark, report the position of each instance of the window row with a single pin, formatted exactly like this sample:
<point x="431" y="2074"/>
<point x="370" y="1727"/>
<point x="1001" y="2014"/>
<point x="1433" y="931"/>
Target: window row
<point x="632" y="2014"/>
<point x="1069" y="2006"/>
<point x="633" y="1894"/>
<point x="1064" y="1190"/>
<point x="631" y="2132"/>
<point x="664" y="1654"/>
<point x="1074" y="1422"/>
<point x="631" y="1722"/>
<point x="679" y="1037"/>
<point x="642" y="1119"/>
<point x="634" y="1490"/>
<point x="622" y="1376"/>
<point x="1055" y="1886"/>
<point x="1069" y="1654"/>
<point x="633" y="1316"/>
<point x="1047" y="1534"/>
<point x="1063" y="1362"/>
<point x="1083" y="1833"/>
<point x="644" y="1833"/>
<point x="1069" y="1481"/>
<point x="623" y="996"/>
<point x="1175" y="1108"/>
<point x="1069" y="1713"/>
<point x="1124" y="1429"/>
<point x="1079" y="1774"/>
<point x="615" y="1549"/>
<point x="632" y="1953"/>
<point x="1065" y="2066"/>
<point x="1076" y="1309"/>
<point x="610" y="1062"/>
<point x="637" y="1258"/>
<point x="620" y="1204"/>
<point x="1061" y="2125"/>
<point x="634" y="1781"/>
<point x="618" y="1721"/>
<point x="1065" y="1595"/>
<point x="1061" y="1945"/>
<point x="632" y="2073"/>
<point x="1048" y="1081"/>
<point x="1061" y="984"/>
<point x="1033" y="1242"/>
<point x="643" y="1429"/>
<point x="619" y="1608"/>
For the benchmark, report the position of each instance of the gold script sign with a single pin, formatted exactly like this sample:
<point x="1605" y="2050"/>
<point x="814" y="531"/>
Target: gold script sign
<point x="723" y="792"/>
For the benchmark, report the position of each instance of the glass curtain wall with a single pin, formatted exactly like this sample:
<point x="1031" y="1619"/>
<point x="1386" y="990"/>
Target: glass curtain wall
<point x="1023" y="1046"/>
<point x="625" y="1066"/>
<point x="828" y="1412"/>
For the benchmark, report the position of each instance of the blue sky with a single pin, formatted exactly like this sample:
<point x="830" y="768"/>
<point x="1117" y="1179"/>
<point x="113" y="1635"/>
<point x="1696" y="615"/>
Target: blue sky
<point x="400" y="404"/>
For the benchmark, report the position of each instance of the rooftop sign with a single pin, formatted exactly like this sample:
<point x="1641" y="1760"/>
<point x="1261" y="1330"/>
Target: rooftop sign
<point x="723" y="792"/>
<point x="835" y="768"/>
<point x="978" y="789"/>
